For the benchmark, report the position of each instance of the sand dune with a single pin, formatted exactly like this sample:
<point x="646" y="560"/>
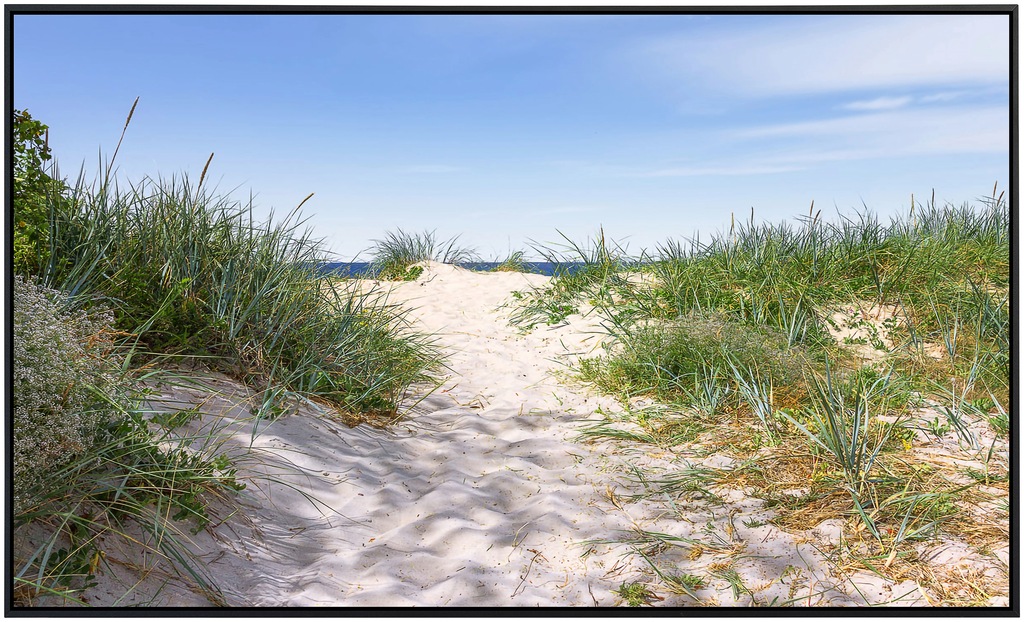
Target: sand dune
<point x="480" y="496"/>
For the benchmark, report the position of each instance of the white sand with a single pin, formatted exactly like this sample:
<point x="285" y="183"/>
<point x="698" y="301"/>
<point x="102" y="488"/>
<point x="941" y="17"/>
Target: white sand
<point x="480" y="497"/>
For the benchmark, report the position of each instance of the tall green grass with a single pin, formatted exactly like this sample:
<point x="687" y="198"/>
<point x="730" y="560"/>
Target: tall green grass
<point x="192" y="274"/>
<point x="944" y="269"/>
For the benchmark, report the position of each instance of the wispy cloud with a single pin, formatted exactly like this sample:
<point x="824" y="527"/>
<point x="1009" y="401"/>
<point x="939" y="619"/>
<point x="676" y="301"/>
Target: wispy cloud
<point x="786" y="56"/>
<point x="959" y="129"/>
<point x="890" y="134"/>
<point x="880" y="103"/>
<point x="703" y="171"/>
<point x="945" y="96"/>
<point x="431" y="168"/>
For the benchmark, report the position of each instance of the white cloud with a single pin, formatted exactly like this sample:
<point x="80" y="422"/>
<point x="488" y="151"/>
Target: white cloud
<point x="804" y="55"/>
<point x="945" y="96"/>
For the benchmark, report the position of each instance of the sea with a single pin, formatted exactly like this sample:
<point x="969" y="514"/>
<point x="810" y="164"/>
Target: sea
<point x="359" y="269"/>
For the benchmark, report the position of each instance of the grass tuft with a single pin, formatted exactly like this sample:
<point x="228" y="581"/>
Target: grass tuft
<point x="394" y="256"/>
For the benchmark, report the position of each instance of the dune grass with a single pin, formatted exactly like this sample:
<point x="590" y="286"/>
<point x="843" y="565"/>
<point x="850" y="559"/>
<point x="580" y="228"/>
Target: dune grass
<point x="191" y="274"/>
<point x="829" y="345"/>
<point x="513" y="262"/>
<point x="142" y="487"/>
<point x="584" y="273"/>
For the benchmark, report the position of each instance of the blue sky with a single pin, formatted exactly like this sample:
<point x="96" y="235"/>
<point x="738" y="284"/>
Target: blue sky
<point x="505" y="129"/>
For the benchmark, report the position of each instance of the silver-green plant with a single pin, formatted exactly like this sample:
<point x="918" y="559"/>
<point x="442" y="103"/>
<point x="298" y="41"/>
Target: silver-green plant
<point x="959" y="411"/>
<point x="842" y="416"/>
<point x="757" y="391"/>
<point x="61" y="364"/>
<point x="709" y="390"/>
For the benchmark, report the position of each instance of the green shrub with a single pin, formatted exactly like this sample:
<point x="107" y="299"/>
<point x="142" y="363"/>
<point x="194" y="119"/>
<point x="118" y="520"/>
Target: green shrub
<point x="669" y="358"/>
<point x="62" y="364"/>
<point x="32" y="191"/>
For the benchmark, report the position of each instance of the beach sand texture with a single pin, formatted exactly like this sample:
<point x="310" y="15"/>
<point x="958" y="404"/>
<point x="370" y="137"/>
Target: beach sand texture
<point x="480" y="496"/>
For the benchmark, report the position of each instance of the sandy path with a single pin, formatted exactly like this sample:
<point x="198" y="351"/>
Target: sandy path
<point x="478" y="498"/>
<point x="481" y="497"/>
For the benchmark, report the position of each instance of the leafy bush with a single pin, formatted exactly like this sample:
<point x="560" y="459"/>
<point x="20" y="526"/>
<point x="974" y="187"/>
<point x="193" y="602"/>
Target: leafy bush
<point x="33" y="188"/>
<point x="62" y="364"/>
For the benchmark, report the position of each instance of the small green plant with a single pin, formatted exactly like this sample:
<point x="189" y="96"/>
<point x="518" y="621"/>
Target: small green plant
<point x="709" y="391"/>
<point x="690" y="581"/>
<point x="937" y="427"/>
<point x="758" y="393"/>
<point x="1000" y="423"/>
<point x="843" y="418"/>
<point x="395" y="273"/>
<point x="732" y="577"/>
<point x="635" y="594"/>
<point x="174" y="419"/>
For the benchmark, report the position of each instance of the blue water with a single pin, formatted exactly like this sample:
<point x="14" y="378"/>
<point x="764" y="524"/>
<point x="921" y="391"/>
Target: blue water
<point x="362" y="268"/>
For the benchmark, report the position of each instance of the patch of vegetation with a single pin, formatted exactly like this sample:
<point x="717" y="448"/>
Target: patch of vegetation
<point x="87" y="465"/>
<point x="63" y="368"/>
<point x="700" y="361"/>
<point x="583" y="273"/>
<point x="735" y="335"/>
<point x="195" y="275"/>
<point x="514" y="262"/>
